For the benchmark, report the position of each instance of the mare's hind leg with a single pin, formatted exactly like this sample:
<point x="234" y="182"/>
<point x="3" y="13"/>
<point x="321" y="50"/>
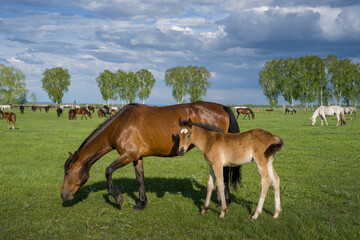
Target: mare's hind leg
<point x="118" y="163"/>
<point x="139" y="172"/>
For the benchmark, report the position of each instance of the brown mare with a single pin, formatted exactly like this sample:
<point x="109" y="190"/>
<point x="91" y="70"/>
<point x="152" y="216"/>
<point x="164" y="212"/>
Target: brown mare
<point x="9" y="116"/>
<point x="83" y="112"/>
<point x="269" y="110"/>
<point x="246" y="111"/>
<point x="223" y="149"/>
<point x="138" y="131"/>
<point x="72" y="114"/>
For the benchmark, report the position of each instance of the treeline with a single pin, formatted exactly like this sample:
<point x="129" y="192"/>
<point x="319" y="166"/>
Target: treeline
<point x="311" y="79"/>
<point x="189" y="81"/>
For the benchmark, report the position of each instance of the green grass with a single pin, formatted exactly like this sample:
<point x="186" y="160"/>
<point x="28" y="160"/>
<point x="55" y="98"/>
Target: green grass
<point x="319" y="170"/>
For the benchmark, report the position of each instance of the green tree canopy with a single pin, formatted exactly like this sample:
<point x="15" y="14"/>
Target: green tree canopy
<point x="55" y="83"/>
<point x="177" y="78"/>
<point x="197" y="78"/>
<point x="107" y="83"/>
<point x="12" y="85"/>
<point x="146" y="82"/>
<point x="269" y="79"/>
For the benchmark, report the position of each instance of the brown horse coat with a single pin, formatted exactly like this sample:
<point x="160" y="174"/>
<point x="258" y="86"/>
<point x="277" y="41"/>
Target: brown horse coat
<point x="10" y="117"/>
<point x="137" y="131"/>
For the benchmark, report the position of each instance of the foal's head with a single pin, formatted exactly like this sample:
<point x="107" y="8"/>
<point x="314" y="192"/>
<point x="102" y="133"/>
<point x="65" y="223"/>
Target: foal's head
<point x="75" y="176"/>
<point x="185" y="136"/>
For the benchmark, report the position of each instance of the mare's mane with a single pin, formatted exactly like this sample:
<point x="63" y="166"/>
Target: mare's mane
<point x="94" y="133"/>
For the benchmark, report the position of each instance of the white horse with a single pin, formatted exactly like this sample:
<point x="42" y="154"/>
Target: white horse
<point x="328" y="111"/>
<point x="351" y="111"/>
<point x="5" y="107"/>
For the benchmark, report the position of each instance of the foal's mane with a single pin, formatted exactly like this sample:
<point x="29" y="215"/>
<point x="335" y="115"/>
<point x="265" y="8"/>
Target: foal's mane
<point x="203" y="125"/>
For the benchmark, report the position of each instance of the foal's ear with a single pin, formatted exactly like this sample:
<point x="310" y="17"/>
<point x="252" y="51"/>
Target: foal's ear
<point x="70" y="154"/>
<point x="180" y="122"/>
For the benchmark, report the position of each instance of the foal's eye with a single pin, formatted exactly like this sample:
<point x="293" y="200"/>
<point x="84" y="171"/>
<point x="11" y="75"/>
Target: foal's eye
<point x="189" y="136"/>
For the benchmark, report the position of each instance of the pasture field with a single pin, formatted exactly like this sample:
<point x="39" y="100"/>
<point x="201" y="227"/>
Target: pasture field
<point x="319" y="168"/>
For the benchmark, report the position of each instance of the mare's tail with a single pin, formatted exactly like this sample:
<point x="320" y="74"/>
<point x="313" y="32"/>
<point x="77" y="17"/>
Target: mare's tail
<point x="235" y="172"/>
<point x="342" y="117"/>
<point x="275" y="147"/>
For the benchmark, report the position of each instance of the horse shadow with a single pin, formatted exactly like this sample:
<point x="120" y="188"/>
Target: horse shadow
<point x="187" y="188"/>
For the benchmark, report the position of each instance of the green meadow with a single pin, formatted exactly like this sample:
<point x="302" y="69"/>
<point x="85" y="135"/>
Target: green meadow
<point x="319" y="168"/>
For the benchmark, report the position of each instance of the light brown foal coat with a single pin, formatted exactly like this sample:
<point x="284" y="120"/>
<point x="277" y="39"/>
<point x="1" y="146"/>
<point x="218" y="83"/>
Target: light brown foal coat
<point x="223" y="149"/>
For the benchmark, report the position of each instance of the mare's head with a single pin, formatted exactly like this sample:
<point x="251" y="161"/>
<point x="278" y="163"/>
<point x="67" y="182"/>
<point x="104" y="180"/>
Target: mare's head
<point x="75" y="176"/>
<point x="185" y="136"/>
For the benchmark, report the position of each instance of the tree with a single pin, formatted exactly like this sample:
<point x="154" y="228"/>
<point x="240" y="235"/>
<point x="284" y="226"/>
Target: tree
<point x="12" y="85"/>
<point x="146" y="82"/>
<point x="306" y="81"/>
<point x="288" y="80"/>
<point x="197" y="79"/>
<point x="106" y="82"/>
<point x="269" y="79"/>
<point x="176" y="77"/>
<point x="33" y="98"/>
<point x="56" y="82"/>
<point x="121" y="85"/>
<point x="132" y="87"/>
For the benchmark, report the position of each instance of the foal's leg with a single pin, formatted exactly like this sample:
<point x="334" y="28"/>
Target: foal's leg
<point x="265" y="183"/>
<point x="118" y="163"/>
<point x="210" y="188"/>
<point x="139" y="172"/>
<point x="218" y="171"/>
<point x="275" y="181"/>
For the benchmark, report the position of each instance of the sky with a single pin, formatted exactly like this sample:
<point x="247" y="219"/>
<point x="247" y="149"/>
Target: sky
<point x="231" y="38"/>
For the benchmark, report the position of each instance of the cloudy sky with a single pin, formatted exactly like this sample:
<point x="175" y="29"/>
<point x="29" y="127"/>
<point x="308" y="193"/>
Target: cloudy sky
<point x="232" y="39"/>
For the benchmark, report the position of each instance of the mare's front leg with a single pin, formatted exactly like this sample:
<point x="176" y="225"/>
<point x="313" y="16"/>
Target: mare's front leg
<point x="118" y="163"/>
<point x="139" y="172"/>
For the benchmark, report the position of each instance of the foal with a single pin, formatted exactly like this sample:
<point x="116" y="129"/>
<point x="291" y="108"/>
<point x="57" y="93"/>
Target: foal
<point x="223" y="149"/>
<point x="9" y="116"/>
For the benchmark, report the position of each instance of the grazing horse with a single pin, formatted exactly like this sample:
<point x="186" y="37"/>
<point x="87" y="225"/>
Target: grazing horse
<point x="83" y="112"/>
<point x="138" y="131"/>
<point x="246" y="111"/>
<point x="103" y="112"/>
<point x="59" y="111"/>
<point x="91" y="108"/>
<point x="351" y="111"/>
<point x="328" y="111"/>
<point x="33" y="108"/>
<point x="72" y="114"/>
<point x="269" y="110"/>
<point x="22" y="109"/>
<point x="224" y="149"/>
<point x="9" y="116"/>
<point x="288" y="110"/>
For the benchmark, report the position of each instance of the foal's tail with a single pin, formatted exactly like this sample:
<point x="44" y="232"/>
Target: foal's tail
<point x="235" y="172"/>
<point x="342" y="117"/>
<point x="275" y="147"/>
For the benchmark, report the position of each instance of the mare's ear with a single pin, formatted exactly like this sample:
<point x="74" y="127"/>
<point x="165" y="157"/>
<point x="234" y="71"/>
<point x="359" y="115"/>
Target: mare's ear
<point x="190" y="123"/>
<point x="70" y="154"/>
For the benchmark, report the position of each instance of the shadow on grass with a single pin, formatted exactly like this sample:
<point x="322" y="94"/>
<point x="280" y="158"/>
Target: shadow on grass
<point x="160" y="186"/>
